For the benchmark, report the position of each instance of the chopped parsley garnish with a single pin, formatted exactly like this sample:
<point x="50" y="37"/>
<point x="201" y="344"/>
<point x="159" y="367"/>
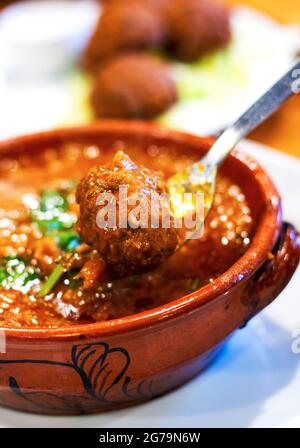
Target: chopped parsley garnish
<point x="16" y="273"/>
<point x="68" y="240"/>
<point x="55" y="220"/>
<point x="52" y="200"/>
<point x="54" y="277"/>
<point x="72" y="281"/>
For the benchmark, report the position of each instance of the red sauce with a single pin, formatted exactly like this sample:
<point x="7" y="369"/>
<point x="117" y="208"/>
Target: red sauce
<point x="227" y="235"/>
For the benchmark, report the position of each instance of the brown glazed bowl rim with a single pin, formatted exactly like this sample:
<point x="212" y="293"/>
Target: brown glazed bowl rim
<point x="266" y="234"/>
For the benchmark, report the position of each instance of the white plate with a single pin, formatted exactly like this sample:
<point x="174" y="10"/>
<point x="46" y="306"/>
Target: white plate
<point x="255" y="382"/>
<point x="213" y="92"/>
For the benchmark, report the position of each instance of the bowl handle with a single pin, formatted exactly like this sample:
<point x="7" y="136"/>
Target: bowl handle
<point x="268" y="282"/>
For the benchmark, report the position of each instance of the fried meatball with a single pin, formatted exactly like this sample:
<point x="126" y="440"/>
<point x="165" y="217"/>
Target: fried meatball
<point x="196" y="27"/>
<point x="133" y="86"/>
<point x="130" y="249"/>
<point x="124" y="26"/>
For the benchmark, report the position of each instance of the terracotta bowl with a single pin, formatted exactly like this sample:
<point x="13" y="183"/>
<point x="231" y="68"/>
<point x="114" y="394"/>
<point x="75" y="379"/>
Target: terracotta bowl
<point x="102" y="366"/>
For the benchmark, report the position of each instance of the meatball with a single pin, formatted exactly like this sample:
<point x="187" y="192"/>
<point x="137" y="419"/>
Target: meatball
<point x="196" y="27"/>
<point x="133" y="86"/>
<point x="131" y="249"/>
<point x="124" y="26"/>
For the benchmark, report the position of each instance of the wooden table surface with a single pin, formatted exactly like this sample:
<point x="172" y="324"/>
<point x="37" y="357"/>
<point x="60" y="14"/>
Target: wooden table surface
<point x="282" y="131"/>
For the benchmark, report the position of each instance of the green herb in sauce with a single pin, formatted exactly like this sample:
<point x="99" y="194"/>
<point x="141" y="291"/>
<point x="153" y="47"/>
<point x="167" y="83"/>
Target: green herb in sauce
<point x="54" y="277"/>
<point x="17" y="273"/>
<point x="55" y="220"/>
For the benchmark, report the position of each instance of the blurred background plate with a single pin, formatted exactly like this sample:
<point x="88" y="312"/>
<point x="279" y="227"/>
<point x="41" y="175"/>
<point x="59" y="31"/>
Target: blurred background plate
<point x="41" y="87"/>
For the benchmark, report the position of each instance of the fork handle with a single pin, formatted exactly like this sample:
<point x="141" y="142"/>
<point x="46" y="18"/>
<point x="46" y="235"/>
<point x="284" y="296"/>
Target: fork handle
<point x="262" y="109"/>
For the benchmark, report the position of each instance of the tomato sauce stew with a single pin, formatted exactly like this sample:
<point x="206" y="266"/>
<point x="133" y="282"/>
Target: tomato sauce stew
<point x="38" y="215"/>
